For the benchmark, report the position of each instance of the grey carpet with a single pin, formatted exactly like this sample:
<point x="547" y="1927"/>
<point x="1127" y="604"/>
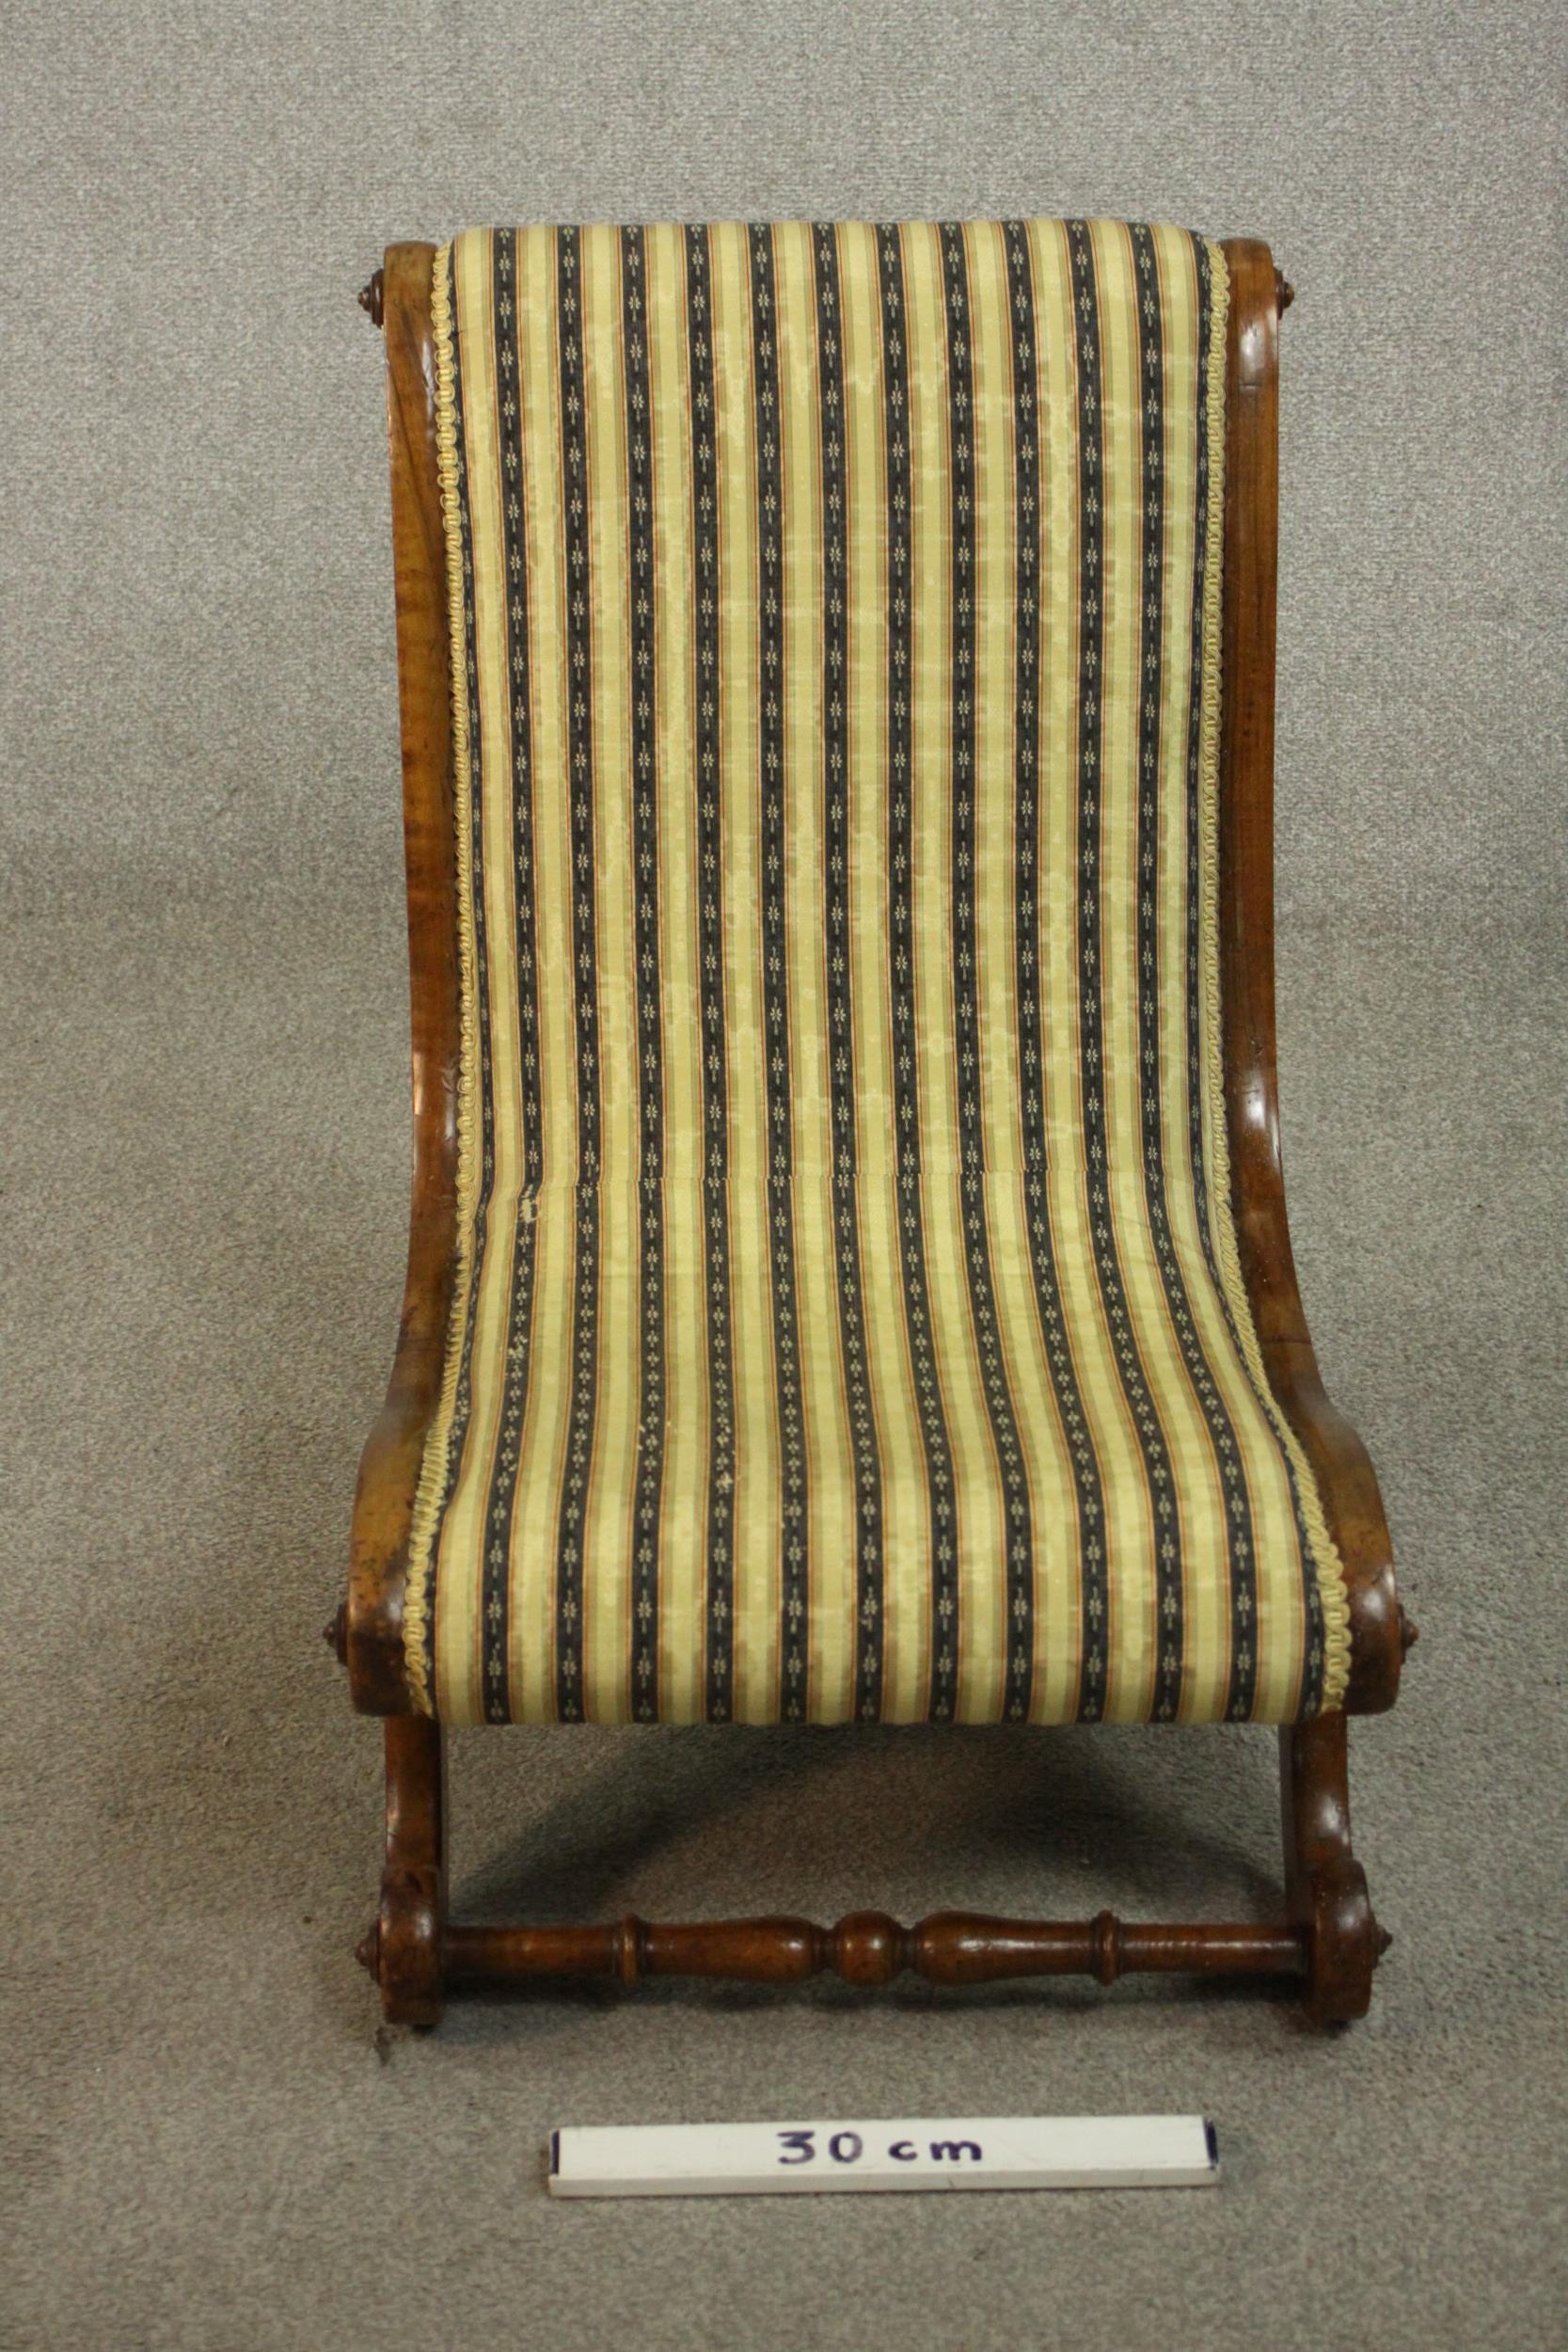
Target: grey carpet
<point x="205" y="1148"/>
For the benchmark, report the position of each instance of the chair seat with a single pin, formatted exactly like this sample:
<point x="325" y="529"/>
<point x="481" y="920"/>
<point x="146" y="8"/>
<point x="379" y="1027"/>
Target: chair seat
<point x="847" y="1321"/>
<point x="774" y="1555"/>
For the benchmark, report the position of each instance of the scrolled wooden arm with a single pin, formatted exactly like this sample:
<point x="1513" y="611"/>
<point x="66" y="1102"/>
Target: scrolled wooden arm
<point x="390" y="1465"/>
<point x="1344" y="1474"/>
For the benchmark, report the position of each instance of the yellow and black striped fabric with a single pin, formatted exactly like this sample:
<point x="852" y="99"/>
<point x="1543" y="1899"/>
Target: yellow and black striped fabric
<point x="847" y="1321"/>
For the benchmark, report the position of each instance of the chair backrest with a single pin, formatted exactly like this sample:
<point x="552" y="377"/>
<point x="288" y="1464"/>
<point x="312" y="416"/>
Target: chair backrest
<point x="841" y="633"/>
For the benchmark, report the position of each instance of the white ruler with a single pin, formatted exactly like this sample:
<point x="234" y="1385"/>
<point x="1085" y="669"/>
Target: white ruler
<point x="916" y="2152"/>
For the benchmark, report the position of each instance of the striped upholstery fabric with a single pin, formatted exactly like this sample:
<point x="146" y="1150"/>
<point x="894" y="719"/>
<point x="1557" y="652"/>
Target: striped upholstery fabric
<point x="847" y="1320"/>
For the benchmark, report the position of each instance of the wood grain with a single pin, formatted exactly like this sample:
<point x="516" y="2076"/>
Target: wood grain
<point x="869" y="1950"/>
<point x="1345" y="1475"/>
<point x="389" y="1466"/>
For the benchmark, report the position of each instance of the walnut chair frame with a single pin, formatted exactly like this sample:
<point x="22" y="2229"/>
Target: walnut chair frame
<point x="1326" y="1938"/>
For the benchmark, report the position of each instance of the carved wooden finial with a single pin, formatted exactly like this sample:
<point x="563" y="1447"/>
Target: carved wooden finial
<point x="371" y="297"/>
<point x="1284" y="293"/>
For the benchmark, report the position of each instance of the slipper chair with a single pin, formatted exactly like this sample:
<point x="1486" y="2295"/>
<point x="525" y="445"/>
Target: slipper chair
<point x="848" y="1280"/>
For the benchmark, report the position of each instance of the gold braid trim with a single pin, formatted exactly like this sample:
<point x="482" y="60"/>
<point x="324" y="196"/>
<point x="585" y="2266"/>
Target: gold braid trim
<point x="431" y="1489"/>
<point x="1324" y="1556"/>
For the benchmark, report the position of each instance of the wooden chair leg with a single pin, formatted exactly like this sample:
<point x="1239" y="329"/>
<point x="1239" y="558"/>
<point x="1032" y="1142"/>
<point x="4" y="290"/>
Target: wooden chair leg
<point x="406" y="1948"/>
<point x="1325" y="1886"/>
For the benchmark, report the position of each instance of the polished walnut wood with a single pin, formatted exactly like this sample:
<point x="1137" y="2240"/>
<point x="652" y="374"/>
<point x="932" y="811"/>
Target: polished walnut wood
<point x="406" y="1945"/>
<point x="389" y="1468"/>
<point x="1345" y="1475"/>
<point x="1324" y="1886"/>
<point x="867" y="1948"/>
<point x="1329" y="1941"/>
